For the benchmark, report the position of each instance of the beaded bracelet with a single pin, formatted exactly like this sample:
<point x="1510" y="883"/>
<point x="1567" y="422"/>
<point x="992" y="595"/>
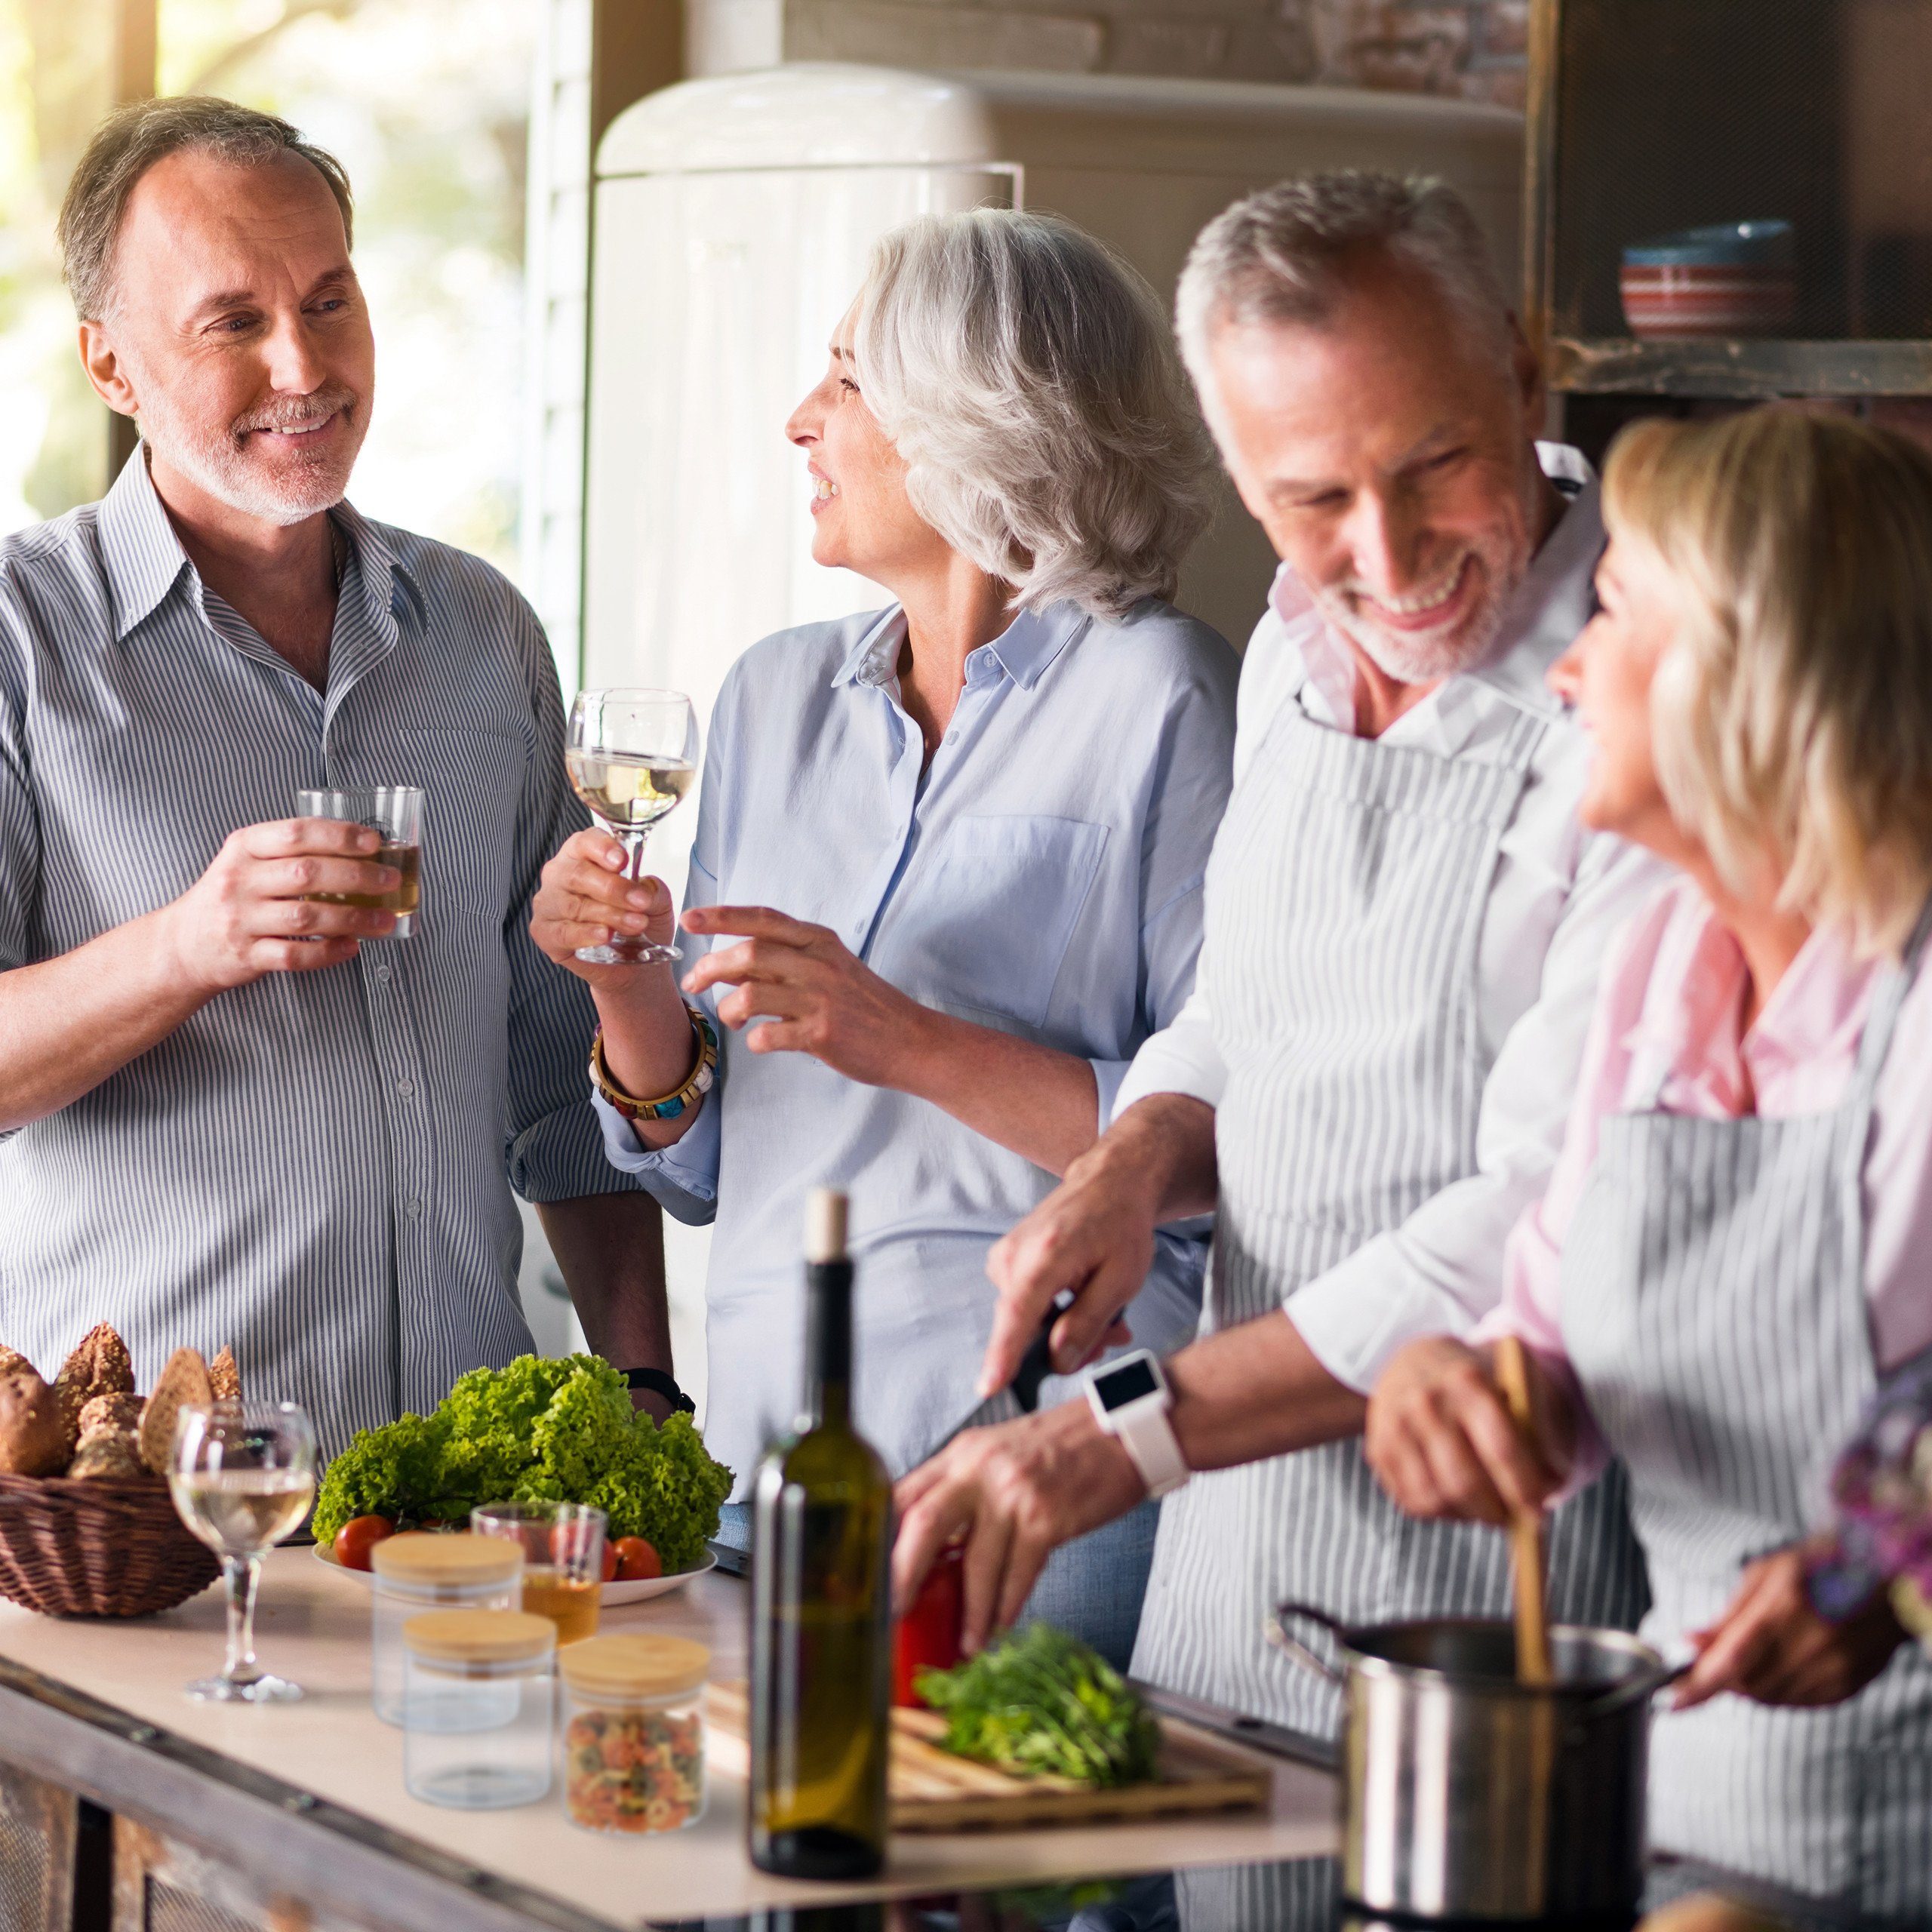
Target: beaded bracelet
<point x="699" y="1081"/>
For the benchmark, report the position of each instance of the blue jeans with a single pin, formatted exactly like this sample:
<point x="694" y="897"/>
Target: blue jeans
<point x="1092" y="1587"/>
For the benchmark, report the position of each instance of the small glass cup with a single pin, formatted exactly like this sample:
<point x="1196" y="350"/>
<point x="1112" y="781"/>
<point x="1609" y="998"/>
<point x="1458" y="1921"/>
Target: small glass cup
<point x="479" y="1708"/>
<point x="563" y="1559"/>
<point x="395" y="814"/>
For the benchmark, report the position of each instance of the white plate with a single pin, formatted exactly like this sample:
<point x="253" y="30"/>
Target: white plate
<point x="616" y="1596"/>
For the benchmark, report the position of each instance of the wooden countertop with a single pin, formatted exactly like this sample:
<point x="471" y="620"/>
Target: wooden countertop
<point x="328" y="1764"/>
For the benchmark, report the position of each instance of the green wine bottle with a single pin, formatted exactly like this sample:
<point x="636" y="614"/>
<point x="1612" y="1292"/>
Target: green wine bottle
<point x="821" y="1630"/>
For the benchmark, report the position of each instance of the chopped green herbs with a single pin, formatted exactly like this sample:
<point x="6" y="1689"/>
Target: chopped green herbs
<point x="1041" y="1703"/>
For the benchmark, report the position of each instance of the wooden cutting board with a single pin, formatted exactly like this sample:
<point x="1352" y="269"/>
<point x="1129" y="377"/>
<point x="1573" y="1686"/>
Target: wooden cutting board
<point x="933" y="1791"/>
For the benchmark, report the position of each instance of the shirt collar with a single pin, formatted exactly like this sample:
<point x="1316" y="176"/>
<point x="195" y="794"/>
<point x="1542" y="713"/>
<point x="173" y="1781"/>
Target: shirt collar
<point x="1550" y="607"/>
<point x="1691" y="1023"/>
<point x="140" y="554"/>
<point x="1023" y="650"/>
<point x="144" y="559"/>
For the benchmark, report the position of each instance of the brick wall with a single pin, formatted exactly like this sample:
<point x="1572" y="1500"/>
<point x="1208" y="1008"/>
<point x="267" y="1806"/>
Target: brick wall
<point x="1473" y="48"/>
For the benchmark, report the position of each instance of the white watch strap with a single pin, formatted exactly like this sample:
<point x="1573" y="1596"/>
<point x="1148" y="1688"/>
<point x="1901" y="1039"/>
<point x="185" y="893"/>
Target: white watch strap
<point x="1147" y="1435"/>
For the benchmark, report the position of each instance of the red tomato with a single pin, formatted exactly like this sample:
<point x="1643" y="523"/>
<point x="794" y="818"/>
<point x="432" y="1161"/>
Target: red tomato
<point x="358" y="1537"/>
<point x="638" y="1561"/>
<point x="609" y="1563"/>
<point x="927" y="1635"/>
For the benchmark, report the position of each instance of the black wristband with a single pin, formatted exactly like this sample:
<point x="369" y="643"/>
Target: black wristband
<point x="659" y="1383"/>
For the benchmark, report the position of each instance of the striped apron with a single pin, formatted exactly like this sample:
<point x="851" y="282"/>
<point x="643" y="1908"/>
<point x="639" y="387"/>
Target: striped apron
<point x="1714" y="1306"/>
<point x="1344" y="908"/>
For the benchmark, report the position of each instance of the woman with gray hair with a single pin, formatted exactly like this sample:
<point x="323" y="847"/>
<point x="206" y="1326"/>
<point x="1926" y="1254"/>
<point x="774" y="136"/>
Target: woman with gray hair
<point x="949" y="854"/>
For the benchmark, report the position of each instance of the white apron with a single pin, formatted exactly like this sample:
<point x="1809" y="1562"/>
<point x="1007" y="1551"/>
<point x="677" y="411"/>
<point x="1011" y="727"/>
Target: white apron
<point x="1344" y="908"/>
<point x="1714" y="1306"/>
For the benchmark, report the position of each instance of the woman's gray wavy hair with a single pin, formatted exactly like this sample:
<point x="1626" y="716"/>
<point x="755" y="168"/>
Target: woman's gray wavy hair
<point x="1028" y="380"/>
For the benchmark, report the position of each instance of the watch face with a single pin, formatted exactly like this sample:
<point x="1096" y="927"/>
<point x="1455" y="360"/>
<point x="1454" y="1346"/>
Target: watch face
<point x="1128" y="1383"/>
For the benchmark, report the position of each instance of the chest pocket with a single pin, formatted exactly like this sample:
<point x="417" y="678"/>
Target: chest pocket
<point x="998" y="901"/>
<point x="472" y="781"/>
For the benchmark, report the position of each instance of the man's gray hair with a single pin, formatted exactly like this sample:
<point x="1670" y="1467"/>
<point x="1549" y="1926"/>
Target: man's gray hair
<point x="1028" y="379"/>
<point x="1284" y="255"/>
<point x="130" y="141"/>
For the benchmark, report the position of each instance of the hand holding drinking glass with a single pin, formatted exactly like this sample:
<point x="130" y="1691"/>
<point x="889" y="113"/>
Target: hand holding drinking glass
<point x="242" y="1476"/>
<point x="632" y="755"/>
<point x="394" y="813"/>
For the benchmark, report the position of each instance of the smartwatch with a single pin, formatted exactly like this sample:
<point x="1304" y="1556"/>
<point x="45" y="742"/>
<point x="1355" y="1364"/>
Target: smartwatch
<point x="658" y="1383"/>
<point x="1130" y="1400"/>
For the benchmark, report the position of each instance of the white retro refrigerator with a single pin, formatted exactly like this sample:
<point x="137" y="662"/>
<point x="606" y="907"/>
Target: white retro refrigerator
<point x="733" y="218"/>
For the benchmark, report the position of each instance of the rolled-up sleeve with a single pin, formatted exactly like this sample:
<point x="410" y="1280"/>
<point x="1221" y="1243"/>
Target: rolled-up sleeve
<point x="555" y="1150"/>
<point x="1441" y="1270"/>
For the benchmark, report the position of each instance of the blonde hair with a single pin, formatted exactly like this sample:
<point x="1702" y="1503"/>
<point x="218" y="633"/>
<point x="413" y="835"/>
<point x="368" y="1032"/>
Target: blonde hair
<point x="1028" y="377"/>
<point x="1793" y="711"/>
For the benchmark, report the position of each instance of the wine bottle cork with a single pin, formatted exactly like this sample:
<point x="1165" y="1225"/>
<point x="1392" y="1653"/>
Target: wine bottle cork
<point x="825" y="1225"/>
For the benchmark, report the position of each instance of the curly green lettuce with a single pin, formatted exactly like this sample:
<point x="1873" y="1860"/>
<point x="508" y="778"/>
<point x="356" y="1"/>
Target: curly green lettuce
<point x="561" y="1429"/>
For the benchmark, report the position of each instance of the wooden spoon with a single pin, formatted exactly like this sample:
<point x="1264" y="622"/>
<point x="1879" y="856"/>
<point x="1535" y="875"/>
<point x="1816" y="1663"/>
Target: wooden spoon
<point x="1533" y="1664"/>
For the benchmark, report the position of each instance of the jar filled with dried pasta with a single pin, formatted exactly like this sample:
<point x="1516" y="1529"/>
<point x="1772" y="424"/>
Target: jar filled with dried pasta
<point x="634" y="1732"/>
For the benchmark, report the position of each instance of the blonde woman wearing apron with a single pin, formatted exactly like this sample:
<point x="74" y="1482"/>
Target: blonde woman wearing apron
<point x="1731" y="1250"/>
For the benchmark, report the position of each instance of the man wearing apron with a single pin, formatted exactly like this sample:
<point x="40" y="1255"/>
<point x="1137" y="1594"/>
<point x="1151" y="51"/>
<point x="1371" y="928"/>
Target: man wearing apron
<point x="1404" y="923"/>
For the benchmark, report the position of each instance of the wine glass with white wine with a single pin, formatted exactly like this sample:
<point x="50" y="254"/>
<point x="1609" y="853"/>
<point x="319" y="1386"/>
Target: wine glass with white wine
<point x="243" y="1475"/>
<point x="631" y="755"/>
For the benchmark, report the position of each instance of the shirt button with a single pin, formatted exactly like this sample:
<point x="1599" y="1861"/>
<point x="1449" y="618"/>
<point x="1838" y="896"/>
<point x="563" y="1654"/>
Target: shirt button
<point x="383" y="975"/>
<point x="413" y="1210"/>
<point x="406" y="1089"/>
<point x="951" y="738"/>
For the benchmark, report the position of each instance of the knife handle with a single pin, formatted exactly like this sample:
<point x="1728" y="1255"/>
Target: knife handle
<point x="1036" y="1363"/>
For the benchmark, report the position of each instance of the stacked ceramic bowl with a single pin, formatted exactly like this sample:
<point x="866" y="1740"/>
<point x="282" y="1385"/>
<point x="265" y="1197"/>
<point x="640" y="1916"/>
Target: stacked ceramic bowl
<point x="1737" y="279"/>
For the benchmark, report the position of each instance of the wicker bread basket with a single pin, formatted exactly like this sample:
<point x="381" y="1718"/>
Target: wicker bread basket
<point x="97" y="1548"/>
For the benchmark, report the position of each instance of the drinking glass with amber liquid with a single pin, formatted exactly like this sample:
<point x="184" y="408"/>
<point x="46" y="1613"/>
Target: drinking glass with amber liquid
<point x="631" y="755"/>
<point x="563" y="1559"/>
<point x="394" y="813"/>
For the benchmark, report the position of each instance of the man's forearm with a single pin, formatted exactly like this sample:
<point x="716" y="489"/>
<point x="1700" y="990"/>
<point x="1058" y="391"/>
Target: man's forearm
<point x="1163" y="1147"/>
<point x="1257" y="1390"/>
<point x="67" y="1024"/>
<point x="611" y="1248"/>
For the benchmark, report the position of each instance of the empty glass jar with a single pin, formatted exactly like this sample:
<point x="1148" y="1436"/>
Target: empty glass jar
<point x="479" y="1708"/>
<point x="419" y="1571"/>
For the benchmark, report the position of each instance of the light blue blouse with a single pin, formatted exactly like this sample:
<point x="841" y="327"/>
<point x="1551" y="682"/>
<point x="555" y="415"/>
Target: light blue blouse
<point x="1042" y="876"/>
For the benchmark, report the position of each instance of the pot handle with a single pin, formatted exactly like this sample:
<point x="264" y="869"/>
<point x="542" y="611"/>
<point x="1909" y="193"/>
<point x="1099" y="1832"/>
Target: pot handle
<point x="1284" y="1639"/>
<point x="1638" y="1689"/>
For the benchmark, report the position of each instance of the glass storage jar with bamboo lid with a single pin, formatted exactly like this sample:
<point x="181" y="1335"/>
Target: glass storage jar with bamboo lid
<point x="634" y="1732"/>
<point x="478" y="1707"/>
<point x="423" y="1571"/>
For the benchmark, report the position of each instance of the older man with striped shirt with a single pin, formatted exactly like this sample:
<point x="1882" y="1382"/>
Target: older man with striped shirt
<point x="229" y="1113"/>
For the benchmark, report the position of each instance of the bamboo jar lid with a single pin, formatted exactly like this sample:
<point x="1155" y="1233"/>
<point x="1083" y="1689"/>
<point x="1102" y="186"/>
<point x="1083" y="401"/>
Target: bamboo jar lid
<point x="422" y="1559"/>
<point x="480" y="1636"/>
<point x="634" y="1666"/>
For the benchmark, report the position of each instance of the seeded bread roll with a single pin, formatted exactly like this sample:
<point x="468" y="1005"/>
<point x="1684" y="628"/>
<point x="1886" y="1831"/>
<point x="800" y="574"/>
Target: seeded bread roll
<point x="224" y="1377"/>
<point x="34" y="1440"/>
<point x="185" y="1380"/>
<point x="110" y="1455"/>
<point x="12" y="1361"/>
<point x="103" y="1415"/>
<point x="99" y="1366"/>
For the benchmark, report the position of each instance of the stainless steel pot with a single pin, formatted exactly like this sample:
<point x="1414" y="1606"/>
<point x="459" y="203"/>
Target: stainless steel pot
<point x="1466" y="1794"/>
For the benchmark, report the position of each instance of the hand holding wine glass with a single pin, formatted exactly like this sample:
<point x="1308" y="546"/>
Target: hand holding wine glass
<point x="242" y="1476"/>
<point x="631" y="755"/>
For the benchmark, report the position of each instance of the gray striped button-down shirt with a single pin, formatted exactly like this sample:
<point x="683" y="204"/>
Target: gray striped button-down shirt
<point x="316" y="1167"/>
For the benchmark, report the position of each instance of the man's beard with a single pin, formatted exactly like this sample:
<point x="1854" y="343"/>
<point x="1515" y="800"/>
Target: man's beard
<point x="218" y="461"/>
<point x="1427" y="657"/>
